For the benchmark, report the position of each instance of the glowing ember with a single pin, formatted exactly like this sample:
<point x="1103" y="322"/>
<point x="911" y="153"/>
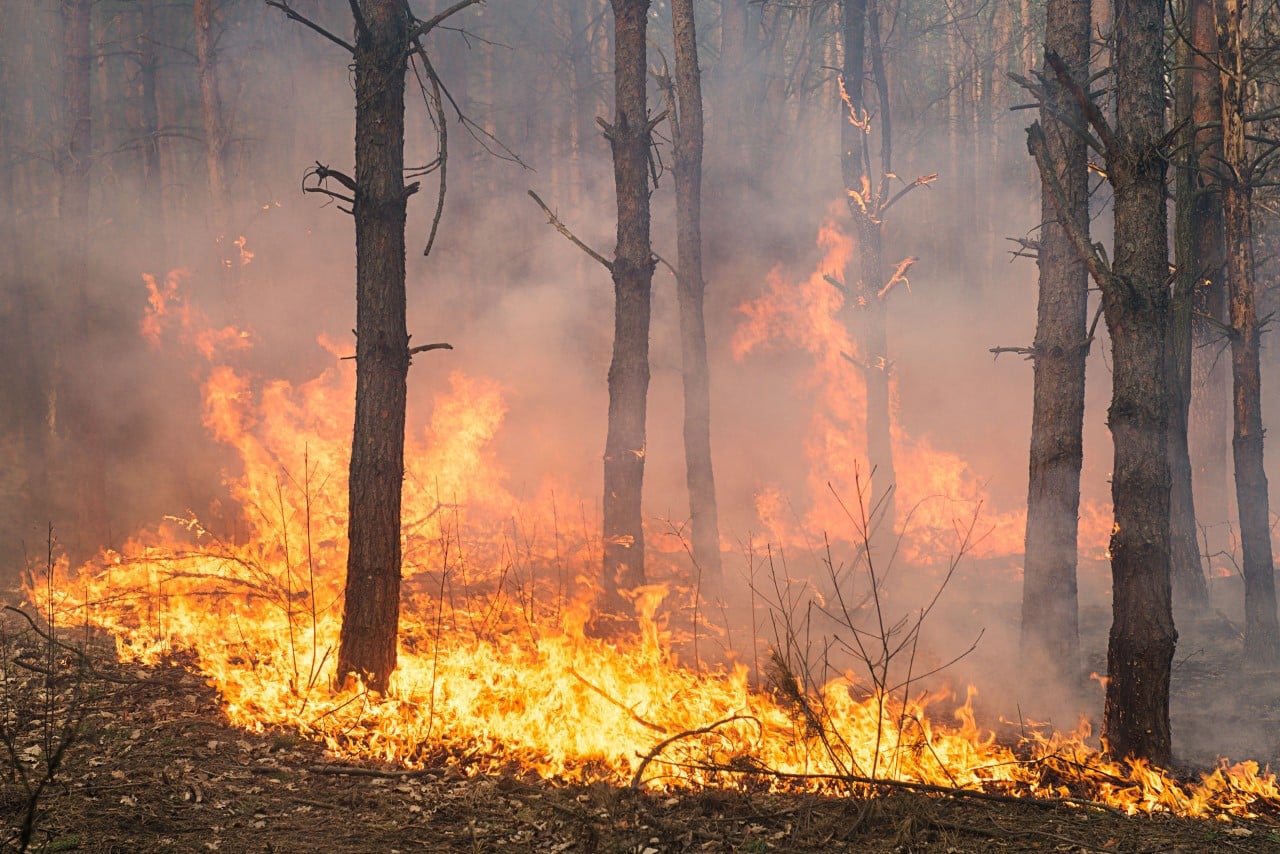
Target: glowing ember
<point x="495" y="663"/>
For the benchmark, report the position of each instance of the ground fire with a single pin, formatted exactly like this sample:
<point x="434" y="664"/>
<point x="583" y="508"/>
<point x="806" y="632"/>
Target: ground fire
<point x="497" y="666"/>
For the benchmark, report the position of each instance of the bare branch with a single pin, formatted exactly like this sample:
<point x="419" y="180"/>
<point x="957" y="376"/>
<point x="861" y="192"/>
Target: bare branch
<point x="426" y="348"/>
<point x="283" y="6"/>
<point x="554" y="220"/>
<point x="1098" y="267"/>
<point x="1086" y="104"/>
<point x="424" y="27"/>
<point x="922" y="181"/>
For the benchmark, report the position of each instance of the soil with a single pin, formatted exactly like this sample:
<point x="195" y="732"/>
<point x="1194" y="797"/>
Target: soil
<point x="154" y="767"/>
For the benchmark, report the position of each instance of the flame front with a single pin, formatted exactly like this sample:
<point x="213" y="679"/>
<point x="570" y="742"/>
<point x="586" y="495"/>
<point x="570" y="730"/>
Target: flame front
<point x="496" y="666"/>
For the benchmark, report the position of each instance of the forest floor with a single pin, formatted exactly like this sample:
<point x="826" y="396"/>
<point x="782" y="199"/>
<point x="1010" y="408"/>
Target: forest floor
<point x="155" y="767"/>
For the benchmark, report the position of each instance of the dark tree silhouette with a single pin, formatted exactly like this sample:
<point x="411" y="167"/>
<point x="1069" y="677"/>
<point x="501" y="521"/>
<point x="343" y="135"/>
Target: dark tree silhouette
<point x="687" y="135"/>
<point x="632" y="269"/>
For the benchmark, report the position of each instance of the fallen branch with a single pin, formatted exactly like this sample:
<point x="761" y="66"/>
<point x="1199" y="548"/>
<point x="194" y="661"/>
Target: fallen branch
<point x="637" y="778"/>
<point x="931" y="788"/>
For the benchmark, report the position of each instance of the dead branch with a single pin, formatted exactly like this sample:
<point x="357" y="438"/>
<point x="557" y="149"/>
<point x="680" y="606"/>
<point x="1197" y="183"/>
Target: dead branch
<point x="836" y="283"/>
<point x="899" y="276"/>
<point x="428" y="347"/>
<point x="424" y="27"/>
<point x="931" y="788"/>
<point x="554" y="220"/>
<point x="355" y="771"/>
<point x="436" y="104"/>
<point x="1110" y="147"/>
<point x="1026" y="248"/>
<point x="617" y="703"/>
<point x="1089" y="253"/>
<point x="638" y="777"/>
<point x="292" y="15"/>
<point x="922" y="181"/>
<point x="1026" y="352"/>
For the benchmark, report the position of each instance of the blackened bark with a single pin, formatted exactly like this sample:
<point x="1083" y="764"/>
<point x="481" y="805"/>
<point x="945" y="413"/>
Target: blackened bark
<point x="1261" y="630"/>
<point x="691" y="288"/>
<point x="1136" y="304"/>
<point x="77" y="417"/>
<point x="1050" y="609"/>
<point x="632" y="285"/>
<point x="372" y="609"/>
<point x="867" y="293"/>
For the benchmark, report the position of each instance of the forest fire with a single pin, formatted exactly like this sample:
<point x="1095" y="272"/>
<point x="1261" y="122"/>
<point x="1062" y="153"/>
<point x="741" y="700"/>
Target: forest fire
<point x="497" y="667"/>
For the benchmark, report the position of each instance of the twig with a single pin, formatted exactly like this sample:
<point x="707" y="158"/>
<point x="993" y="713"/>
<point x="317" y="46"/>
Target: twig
<point x="1027" y="352"/>
<point x="356" y="771"/>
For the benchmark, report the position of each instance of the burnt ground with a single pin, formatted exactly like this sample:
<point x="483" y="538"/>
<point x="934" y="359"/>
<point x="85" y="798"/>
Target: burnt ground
<point x="156" y="768"/>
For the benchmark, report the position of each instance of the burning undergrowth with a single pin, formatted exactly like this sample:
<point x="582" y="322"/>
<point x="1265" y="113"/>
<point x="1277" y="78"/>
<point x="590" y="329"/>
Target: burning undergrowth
<point x="498" y="663"/>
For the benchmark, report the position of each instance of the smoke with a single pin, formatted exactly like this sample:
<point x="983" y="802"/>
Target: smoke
<point x="523" y="307"/>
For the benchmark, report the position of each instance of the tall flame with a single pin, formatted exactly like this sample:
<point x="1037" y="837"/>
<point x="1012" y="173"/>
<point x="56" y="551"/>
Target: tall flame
<point x="496" y="665"/>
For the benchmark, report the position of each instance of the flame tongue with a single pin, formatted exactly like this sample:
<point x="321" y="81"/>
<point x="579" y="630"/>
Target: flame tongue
<point x="495" y="662"/>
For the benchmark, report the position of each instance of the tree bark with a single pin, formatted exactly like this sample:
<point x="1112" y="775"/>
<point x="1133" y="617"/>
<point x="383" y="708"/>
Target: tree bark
<point x="1194" y="205"/>
<point x="207" y="29"/>
<point x="632" y="285"/>
<point x="1210" y="389"/>
<point x="372" y="598"/>
<point x="78" y="418"/>
<point x="691" y="288"/>
<point x="867" y="295"/>
<point x="1050" y="609"/>
<point x="1136" y="304"/>
<point x="1261" y="629"/>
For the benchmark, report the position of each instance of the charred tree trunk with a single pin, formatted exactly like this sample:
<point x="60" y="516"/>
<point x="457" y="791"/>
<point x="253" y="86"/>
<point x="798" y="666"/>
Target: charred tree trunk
<point x="372" y="609"/>
<point x="688" y="142"/>
<point x="147" y="128"/>
<point x="868" y="291"/>
<point x="1261" y="630"/>
<point x="77" y="416"/>
<point x="1135" y="300"/>
<point x="1136" y="303"/>
<point x="215" y="137"/>
<point x="1050" y="615"/>
<point x="632" y="284"/>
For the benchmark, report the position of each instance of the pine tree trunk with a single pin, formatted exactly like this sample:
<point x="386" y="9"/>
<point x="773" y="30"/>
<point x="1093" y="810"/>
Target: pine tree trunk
<point x="866" y="300"/>
<point x="77" y="367"/>
<point x="1050" y="621"/>
<point x="1190" y="590"/>
<point x="632" y="285"/>
<point x="372" y="611"/>
<point x="215" y="140"/>
<point x="1203" y="257"/>
<point x="1261" y="630"/>
<point x="1136" y="303"/>
<point x="688" y="143"/>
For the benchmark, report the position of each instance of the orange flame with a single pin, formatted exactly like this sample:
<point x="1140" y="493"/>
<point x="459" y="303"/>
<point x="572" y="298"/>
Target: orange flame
<point x="495" y="662"/>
